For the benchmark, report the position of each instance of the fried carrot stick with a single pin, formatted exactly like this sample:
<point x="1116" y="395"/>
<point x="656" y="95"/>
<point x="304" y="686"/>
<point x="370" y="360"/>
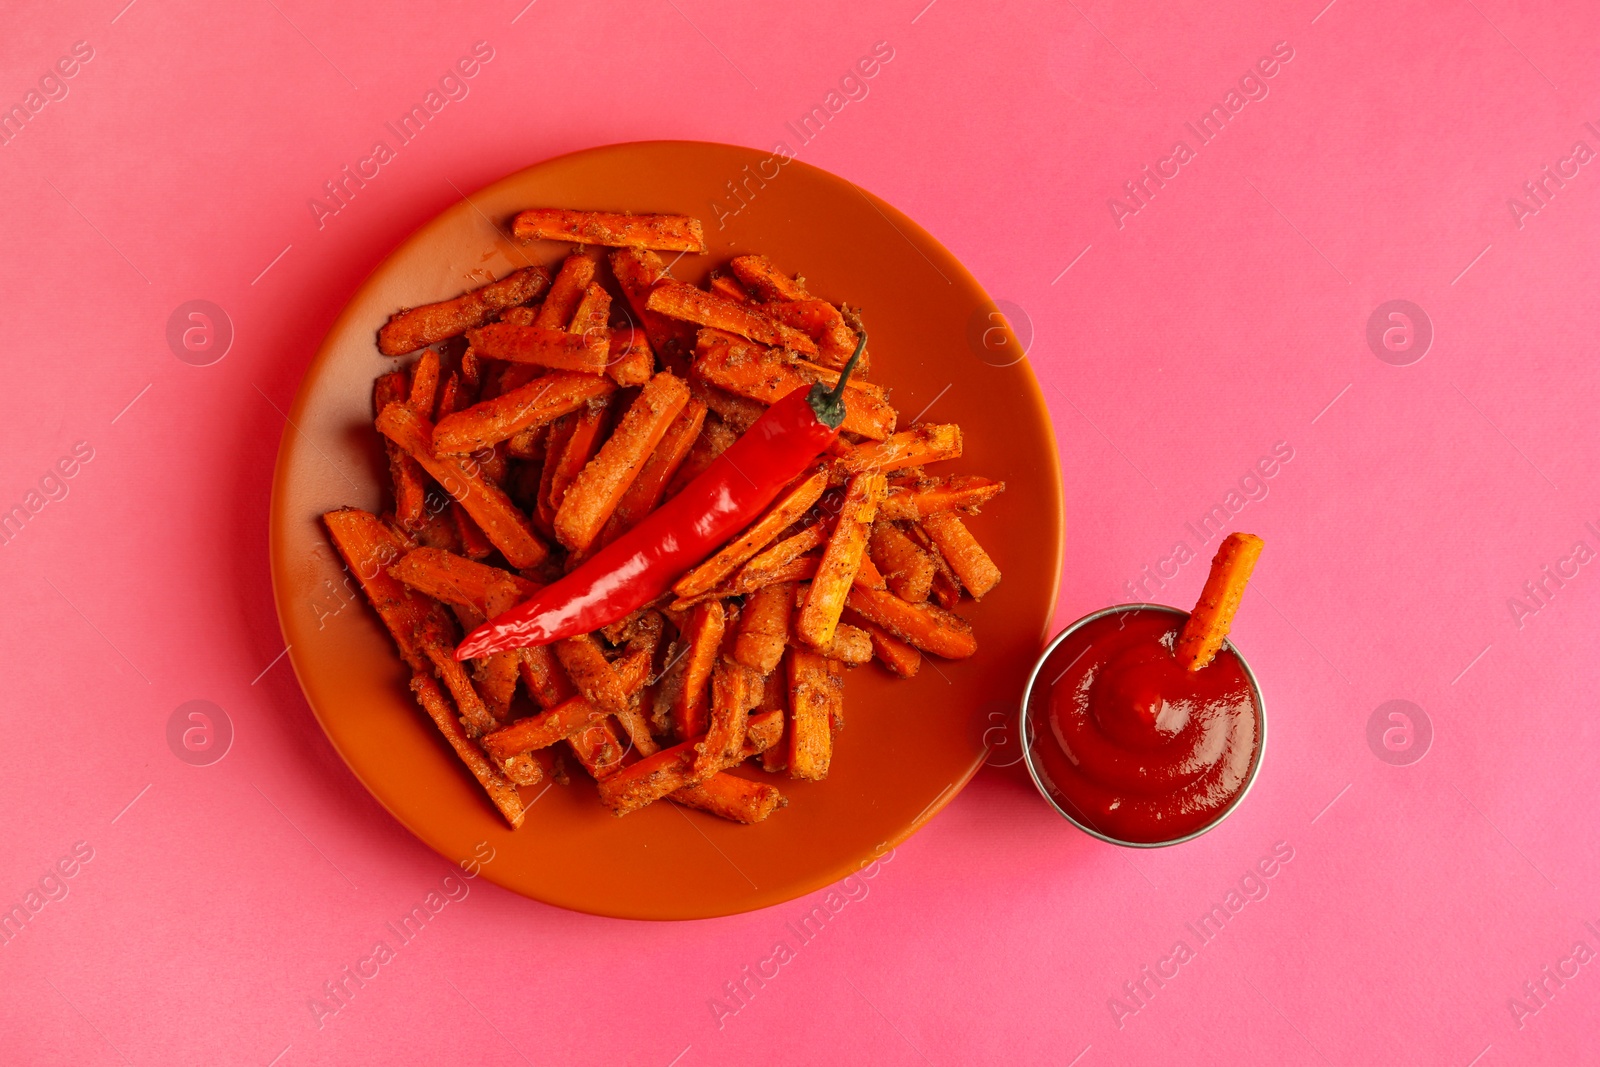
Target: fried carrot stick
<point x="893" y="653"/>
<point x="782" y="514"/>
<point x="598" y="749"/>
<point x="454" y="580"/>
<point x="689" y="304"/>
<point x="908" y="448"/>
<point x="424" y="383"/>
<point x="555" y="448"/>
<point x="908" y="570"/>
<point x="638" y="272"/>
<point x="475" y="714"/>
<point x="368" y="547"/>
<point x="739" y="412"/>
<point x="961" y="550"/>
<point x="761" y="570"/>
<point x="578" y="448"/>
<point x="576" y="713"/>
<point x="600" y="683"/>
<point x="820" y="321"/>
<point x="670" y="769"/>
<point x="774" y="699"/>
<point x="594" y="494"/>
<point x="464" y="481"/>
<point x="715" y="438"/>
<point x="474" y="543"/>
<point x="648" y="487"/>
<point x="962" y="493"/>
<point x="1209" y="622"/>
<point x="632" y="362"/>
<point x="566" y="292"/>
<point x="764" y="627"/>
<point x="850" y="645"/>
<point x="703" y="636"/>
<point x="671" y="233"/>
<point x="545" y="346"/>
<point x="946" y="588"/>
<point x="409" y="490"/>
<point x="418" y="327"/>
<point x="501" y="792"/>
<point x="765" y="280"/>
<point x="930" y="628"/>
<point x="764" y="374"/>
<point x="592" y="313"/>
<point x="730" y="797"/>
<point x="734" y="689"/>
<point x="814" y="688"/>
<point x="841" y="559"/>
<point x="541" y="401"/>
<point x="729" y="288"/>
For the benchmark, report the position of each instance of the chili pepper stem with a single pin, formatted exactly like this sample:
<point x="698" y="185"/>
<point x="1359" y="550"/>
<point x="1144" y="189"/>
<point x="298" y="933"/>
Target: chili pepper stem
<point x="828" y="404"/>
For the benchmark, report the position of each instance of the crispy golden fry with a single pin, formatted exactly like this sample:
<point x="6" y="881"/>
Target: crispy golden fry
<point x="670" y="769"/>
<point x="566" y="292"/>
<point x="594" y="494"/>
<point x="463" y="479"/>
<point x="663" y="462"/>
<point x="368" y="547"/>
<point x="814" y="688"/>
<point x="501" y="792"/>
<point x="836" y="574"/>
<point x="929" y="628"/>
<point x="730" y="797"/>
<point x="909" y="448"/>
<point x="782" y="514"/>
<point x="1208" y="624"/>
<point x="703" y="637"/>
<point x="767" y="375"/>
<point x="764" y="627"/>
<point x="419" y="327"/>
<point x="544" y="346"/>
<point x="961" y="550"/>
<point x="670" y="233"/>
<point x="538" y="403"/>
<point x="689" y="304"/>
<point x="766" y="281"/>
<point x="908" y="570"/>
<point x="962" y="493"/>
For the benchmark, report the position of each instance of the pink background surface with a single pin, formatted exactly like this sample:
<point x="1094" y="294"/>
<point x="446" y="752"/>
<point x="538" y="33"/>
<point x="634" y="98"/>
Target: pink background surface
<point x="1227" y="315"/>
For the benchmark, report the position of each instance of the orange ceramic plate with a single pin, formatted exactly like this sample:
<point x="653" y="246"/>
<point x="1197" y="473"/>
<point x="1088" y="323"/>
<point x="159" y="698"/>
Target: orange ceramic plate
<point x="908" y="746"/>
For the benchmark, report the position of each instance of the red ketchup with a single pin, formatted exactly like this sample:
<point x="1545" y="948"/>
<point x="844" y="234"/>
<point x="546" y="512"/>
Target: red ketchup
<point x="1129" y="743"/>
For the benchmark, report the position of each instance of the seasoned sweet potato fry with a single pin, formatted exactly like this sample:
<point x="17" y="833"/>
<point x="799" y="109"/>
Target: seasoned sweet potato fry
<point x="961" y="550"/>
<point x="930" y="628"/>
<point x="766" y="281"/>
<point x="734" y="689"/>
<point x="1208" y="624"/>
<point x="566" y="292"/>
<point x="814" y="688"/>
<point x="409" y="489"/>
<point x="703" y="636"/>
<point x="544" y="346"/>
<point x="764" y="627"/>
<point x="784" y="511"/>
<point x="836" y="574"/>
<point x="597" y="490"/>
<point x="463" y="480"/>
<point x="962" y="493"/>
<point x="908" y="570"/>
<point x="909" y="448"/>
<point x="663" y="462"/>
<point x="369" y="547"/>
<point x="670" y="769"/>
<point x="422" y="326"/>
<point x="730" y="797"/>
<point x="541" y="401"/>
<point x="501" y="792"/>
<point x="672" y="233"/>
<point x="689" y="304"/>
<point x="893" y="653"/>
<point x="765" y="374"/>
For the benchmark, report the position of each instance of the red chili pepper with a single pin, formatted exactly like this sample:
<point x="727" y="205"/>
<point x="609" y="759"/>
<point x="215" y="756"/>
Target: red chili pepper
<point x="643" y="563"/>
